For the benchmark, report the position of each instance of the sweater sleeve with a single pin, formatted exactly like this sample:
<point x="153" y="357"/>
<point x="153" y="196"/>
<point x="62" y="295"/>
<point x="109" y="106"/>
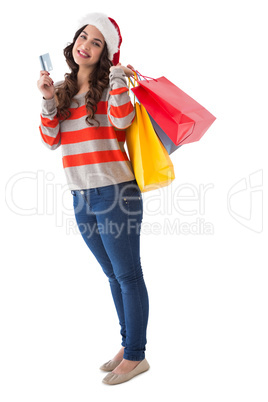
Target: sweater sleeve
<point x="50" y="125"/>
<point x="121" y="112"/>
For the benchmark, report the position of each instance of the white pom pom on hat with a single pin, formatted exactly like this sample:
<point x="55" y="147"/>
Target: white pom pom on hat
<point x="110" y="31"/>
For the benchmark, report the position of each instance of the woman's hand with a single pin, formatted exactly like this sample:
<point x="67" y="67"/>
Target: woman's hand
<point x="127" y="70"/>
<point x="45" y="85"/>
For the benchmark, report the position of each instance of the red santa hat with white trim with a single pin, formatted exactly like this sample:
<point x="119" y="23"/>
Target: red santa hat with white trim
<point x="110" y="31"/>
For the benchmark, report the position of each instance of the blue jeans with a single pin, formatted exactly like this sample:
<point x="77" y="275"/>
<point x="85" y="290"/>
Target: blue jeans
<point x="109" y="219"/>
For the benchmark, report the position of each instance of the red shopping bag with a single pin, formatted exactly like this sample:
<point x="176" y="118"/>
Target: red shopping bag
<point x="182" y="118"/>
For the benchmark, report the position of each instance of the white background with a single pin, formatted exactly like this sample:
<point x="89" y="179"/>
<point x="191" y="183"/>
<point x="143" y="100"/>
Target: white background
<point x="207" y="333"/>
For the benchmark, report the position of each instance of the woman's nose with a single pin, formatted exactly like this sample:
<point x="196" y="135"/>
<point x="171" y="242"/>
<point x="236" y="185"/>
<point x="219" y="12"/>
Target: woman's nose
<point x="86" y="45"/>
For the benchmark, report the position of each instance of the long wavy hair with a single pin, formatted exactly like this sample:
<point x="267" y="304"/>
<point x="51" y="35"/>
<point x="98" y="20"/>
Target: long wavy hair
<point x="98" y="80"/>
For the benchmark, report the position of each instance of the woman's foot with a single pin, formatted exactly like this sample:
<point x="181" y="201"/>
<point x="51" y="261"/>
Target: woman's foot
<point x="119" y="355"/>
<point x="113" y="378"/>
<point x="112" y="364"/>
<point x="125" y="366"/>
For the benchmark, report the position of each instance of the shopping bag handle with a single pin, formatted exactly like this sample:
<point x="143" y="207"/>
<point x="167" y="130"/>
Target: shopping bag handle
<point x="144" y="76"/>
<point x="133" y="82"/>
<point x="138" y="77"/>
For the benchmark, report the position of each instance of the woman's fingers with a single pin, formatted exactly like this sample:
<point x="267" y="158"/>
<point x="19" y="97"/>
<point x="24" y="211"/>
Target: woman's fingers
<point x="44" y="72"/>
<point x="128" y="71"/>
<point x="45" y="85"/>
<point x="45" y="79"/>
<point x="131" y="67"/>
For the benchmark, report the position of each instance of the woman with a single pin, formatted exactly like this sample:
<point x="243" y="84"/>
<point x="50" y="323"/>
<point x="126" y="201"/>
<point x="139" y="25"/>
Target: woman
<point x="86" y="115"/>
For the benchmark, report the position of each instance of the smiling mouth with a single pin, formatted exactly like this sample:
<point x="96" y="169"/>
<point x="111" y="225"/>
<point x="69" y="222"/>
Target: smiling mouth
<point x="83" y="54"/>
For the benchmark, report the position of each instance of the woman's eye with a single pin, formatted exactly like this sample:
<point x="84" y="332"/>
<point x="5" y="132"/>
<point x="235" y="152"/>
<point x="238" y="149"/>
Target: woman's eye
<point x="96" y="44"/>
<point x="83" y="36"/>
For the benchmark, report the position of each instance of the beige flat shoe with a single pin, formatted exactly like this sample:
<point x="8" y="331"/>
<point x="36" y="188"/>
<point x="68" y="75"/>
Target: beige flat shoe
<point x="110" y="365"/>
<point x="114" y="379"/>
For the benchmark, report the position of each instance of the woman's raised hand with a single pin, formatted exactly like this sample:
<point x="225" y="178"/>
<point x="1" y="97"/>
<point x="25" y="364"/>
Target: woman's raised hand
<point x="45" y="85"/>
<point x="127" y="70"/>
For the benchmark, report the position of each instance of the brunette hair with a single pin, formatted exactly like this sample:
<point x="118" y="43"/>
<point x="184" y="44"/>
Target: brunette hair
<point x="98" y="81"/>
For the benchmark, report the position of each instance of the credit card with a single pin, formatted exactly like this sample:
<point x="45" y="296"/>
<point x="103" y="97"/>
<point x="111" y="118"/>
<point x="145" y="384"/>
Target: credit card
<point x="45" y="62"/>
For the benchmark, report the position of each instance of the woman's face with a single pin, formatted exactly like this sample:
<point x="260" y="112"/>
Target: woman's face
<point x="88" y="47"/>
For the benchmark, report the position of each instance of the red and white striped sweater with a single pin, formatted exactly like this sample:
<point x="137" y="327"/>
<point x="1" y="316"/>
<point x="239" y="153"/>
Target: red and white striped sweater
<point x="92" y="156"/>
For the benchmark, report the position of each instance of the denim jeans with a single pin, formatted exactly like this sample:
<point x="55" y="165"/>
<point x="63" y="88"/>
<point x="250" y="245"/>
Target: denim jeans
<point x="109" y="219"/>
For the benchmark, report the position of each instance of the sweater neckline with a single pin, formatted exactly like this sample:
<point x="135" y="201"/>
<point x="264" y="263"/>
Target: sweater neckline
<point x="80" y="95"/>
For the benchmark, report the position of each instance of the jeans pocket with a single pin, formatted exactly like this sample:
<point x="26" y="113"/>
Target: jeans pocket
<point x="119" y="191"/>
<point x="133" y="195"/>
<point x="131" y="200"/>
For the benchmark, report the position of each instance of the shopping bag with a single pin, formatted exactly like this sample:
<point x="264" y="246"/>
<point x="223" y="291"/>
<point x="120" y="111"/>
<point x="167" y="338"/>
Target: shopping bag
<point x="151" y="163"/>
<point x="182" y="118"/>
<point x="164" y="138"/>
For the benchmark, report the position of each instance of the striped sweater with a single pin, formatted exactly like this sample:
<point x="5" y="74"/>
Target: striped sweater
<point x="92" y="156"/>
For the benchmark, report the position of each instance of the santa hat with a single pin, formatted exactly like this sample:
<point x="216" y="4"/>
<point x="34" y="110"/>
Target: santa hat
<point x="110" y="31"/>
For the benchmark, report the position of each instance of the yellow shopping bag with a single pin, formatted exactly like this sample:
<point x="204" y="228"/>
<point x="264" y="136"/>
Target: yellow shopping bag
<point x="150" y="160"/>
